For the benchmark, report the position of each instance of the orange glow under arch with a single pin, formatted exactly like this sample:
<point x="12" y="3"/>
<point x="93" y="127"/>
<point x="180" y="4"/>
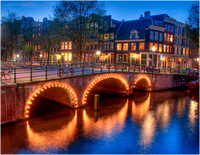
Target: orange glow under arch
<point x="36" y="92"/>
<point x="101" y="78"/>
<point x="143" y="77"/>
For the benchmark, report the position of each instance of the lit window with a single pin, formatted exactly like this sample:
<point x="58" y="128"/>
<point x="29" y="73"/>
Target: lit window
<point x="125" y="47"/>
<point x="183" y="51"/>
<point x="66" y="45"/>
<point x="70" y="45"/>
<point x="133" y="46"/>
<point x="38" y="46"/>
<point x="165" y="37"/>
<point x="156" y="45"/>
<point x="112" y="36"/>
<point x="119" y="47"/>
<point x="62" y="45"/>
<point x="171" y="38"/>
<point x="167" y="48"/>
<point x="70" y="57"/>
<point x="150" y="46"/>
<point x="141" y="46"/>
<point x="65" y="56"/>
<point x="160" y="47"/>
<point x="164" y="48"/>
<point x="106" y="36"/>
<point x="33" y="35"/>
<point x="39" y="34"/>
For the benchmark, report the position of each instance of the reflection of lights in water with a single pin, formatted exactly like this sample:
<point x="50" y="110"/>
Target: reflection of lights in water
<point x="181" y="106"/>
<point x="163" y="114"/>
<point x="193" y="109"/>
<point x="139" y="110"/>
<point x="148" y="129"/>
<point x="105" y="126"/>
<point x="44" y="141"/>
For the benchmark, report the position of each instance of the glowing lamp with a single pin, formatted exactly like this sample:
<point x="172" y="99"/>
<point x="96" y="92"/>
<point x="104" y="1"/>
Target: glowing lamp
<point x="98" y="52"/>
<point x="154" y="48"/>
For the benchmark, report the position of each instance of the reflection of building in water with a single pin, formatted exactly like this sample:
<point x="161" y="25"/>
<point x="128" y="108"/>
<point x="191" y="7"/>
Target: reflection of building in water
<point x="140" y="106"/>
<point x="148" y="129"/>
<point x="105" y="125"/>
<point x="193" y="112"/>
<point x="163" y="114"/>
<point x="50" y="140"/>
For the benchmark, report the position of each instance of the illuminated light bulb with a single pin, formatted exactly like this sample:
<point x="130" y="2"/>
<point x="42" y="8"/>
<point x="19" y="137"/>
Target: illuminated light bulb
<point x="68" y="88"/>
<point x="45" y="87"/>
<point x="65" y="87"/>
<point x="35" y="95"/>
<point x="27" y="117"/>
<point x="30" y="102"/>
<point x="42" y="89"/>
<point x="59" y="85"/>
<point x="27" y="107"/>
<point x="27" y="111"/>
<point x="49" y="86"/>
<point x="32" y="98"/>
<point x="62" y="86"/>
<point x="56" y="85"/>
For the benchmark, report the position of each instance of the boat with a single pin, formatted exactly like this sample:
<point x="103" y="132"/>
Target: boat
<point x="193" y="85"/>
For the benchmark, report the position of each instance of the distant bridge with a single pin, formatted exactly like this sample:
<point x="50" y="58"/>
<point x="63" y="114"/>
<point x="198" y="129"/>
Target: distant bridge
<point x="17" y="99"/>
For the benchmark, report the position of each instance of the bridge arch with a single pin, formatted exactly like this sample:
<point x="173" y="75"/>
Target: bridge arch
<point x="65" y="87"/>
<point x="142" y="83"/>
<point x="102" y="78"/>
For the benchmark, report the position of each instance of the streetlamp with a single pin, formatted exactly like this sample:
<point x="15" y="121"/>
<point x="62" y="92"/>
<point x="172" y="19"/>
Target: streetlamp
<point x="18" y="56"/>
<point x="153" y="49"/>
<point x="40" y="59"/>
<point x="98" y="53"/>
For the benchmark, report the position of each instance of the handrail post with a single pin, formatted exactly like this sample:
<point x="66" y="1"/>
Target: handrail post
<point x="15" y="75"/>
<point x="83" y="69"/>
<point x="31" y="74"/>
<point x="92" y="68"/>
<point x="46" y="72"/>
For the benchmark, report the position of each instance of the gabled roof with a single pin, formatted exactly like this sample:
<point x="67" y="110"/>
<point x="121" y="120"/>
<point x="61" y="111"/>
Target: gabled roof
<point x="138" y="25"/>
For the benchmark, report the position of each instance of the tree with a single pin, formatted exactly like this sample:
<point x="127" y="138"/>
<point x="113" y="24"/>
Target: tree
<point x="192" y="28"/>
<point x="12" y="28"/>
<point x="81" y="19"/>
<point x="52" y="32"/>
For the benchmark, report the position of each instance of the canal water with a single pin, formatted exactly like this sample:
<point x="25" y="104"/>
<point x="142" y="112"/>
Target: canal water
<point x="154" y="123"/>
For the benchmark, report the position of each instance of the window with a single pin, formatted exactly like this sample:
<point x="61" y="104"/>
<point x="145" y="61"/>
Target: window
<point x="133" y="46"/>
<point x="156" y="45"/>
<point x="38" y="46"/>
<point x="125" y="46"/>
<point x="141" y="46"/>
<point x="183" y="51"/>
<point x="168" y="37"/>
<point x="167" y="48"/>
<point x="187" y="51"/>
<point x="66" y="45"/>
<point x="95" y="46"/>
<point x="164" y="48"/>
<point x="156" y="36"/>
<point x="87" y="47"/>
<point x="96" y="25"/>
<point x="87" y="26"/>
<point x="62" y="45"/>
<point x="70" y="45"/>
<point x="91" y="25"/>
<point x="175" y="50"/>
<point x="151" y="35"/>
<point x="176" y="30"/>
<point x="161" y="37"/>
<point x="91" y="46"/>
<point x="106" y="36"/>
<point x="39" y="34"/>
<point x="143" y="59"/>
<point x="165" y="27"/>
<point x="172" y="29"/>
<point x="70" y="57"/>
<point x="169" y="28"/>
<point x="150" y="46"/>
<point x="100" y="46"/>
<point x="134" y="34"/>
<point x="106" y="45"/>
<point x="171" y="38"/>
<point x="165" y="37"/>
<point x="111" y="46"/>
<point x="112" y="36"/>
<point x="160" y="47"/>
<point x="119" y="46"/>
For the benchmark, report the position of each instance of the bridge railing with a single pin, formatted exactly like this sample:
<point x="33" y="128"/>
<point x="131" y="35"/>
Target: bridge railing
<point x="38" y="73"/>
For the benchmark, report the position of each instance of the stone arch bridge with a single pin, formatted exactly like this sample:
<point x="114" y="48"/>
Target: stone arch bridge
<point x="18" y="99"/>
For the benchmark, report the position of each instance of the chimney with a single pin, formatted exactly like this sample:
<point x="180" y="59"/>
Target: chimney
<point x="147" y="14"/>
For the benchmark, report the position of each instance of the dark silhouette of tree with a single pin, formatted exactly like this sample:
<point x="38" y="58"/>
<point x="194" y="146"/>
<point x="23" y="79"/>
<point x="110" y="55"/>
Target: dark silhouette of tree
<point x="11" y="33"/>
<point x="82" y="20"/>
<point x="192" y="28"/>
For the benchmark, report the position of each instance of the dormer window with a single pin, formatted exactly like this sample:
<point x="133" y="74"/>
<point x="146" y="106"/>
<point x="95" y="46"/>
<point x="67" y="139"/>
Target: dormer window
<point x="134" y="34"/>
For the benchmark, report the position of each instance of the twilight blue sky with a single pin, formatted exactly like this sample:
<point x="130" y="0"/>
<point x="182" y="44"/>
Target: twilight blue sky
<point x="127" y="10"/>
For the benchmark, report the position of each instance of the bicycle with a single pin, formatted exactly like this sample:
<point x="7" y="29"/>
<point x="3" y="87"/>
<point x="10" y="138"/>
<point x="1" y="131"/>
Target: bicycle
<point x="61" y="71"/>
<point x="6" y="73"/>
